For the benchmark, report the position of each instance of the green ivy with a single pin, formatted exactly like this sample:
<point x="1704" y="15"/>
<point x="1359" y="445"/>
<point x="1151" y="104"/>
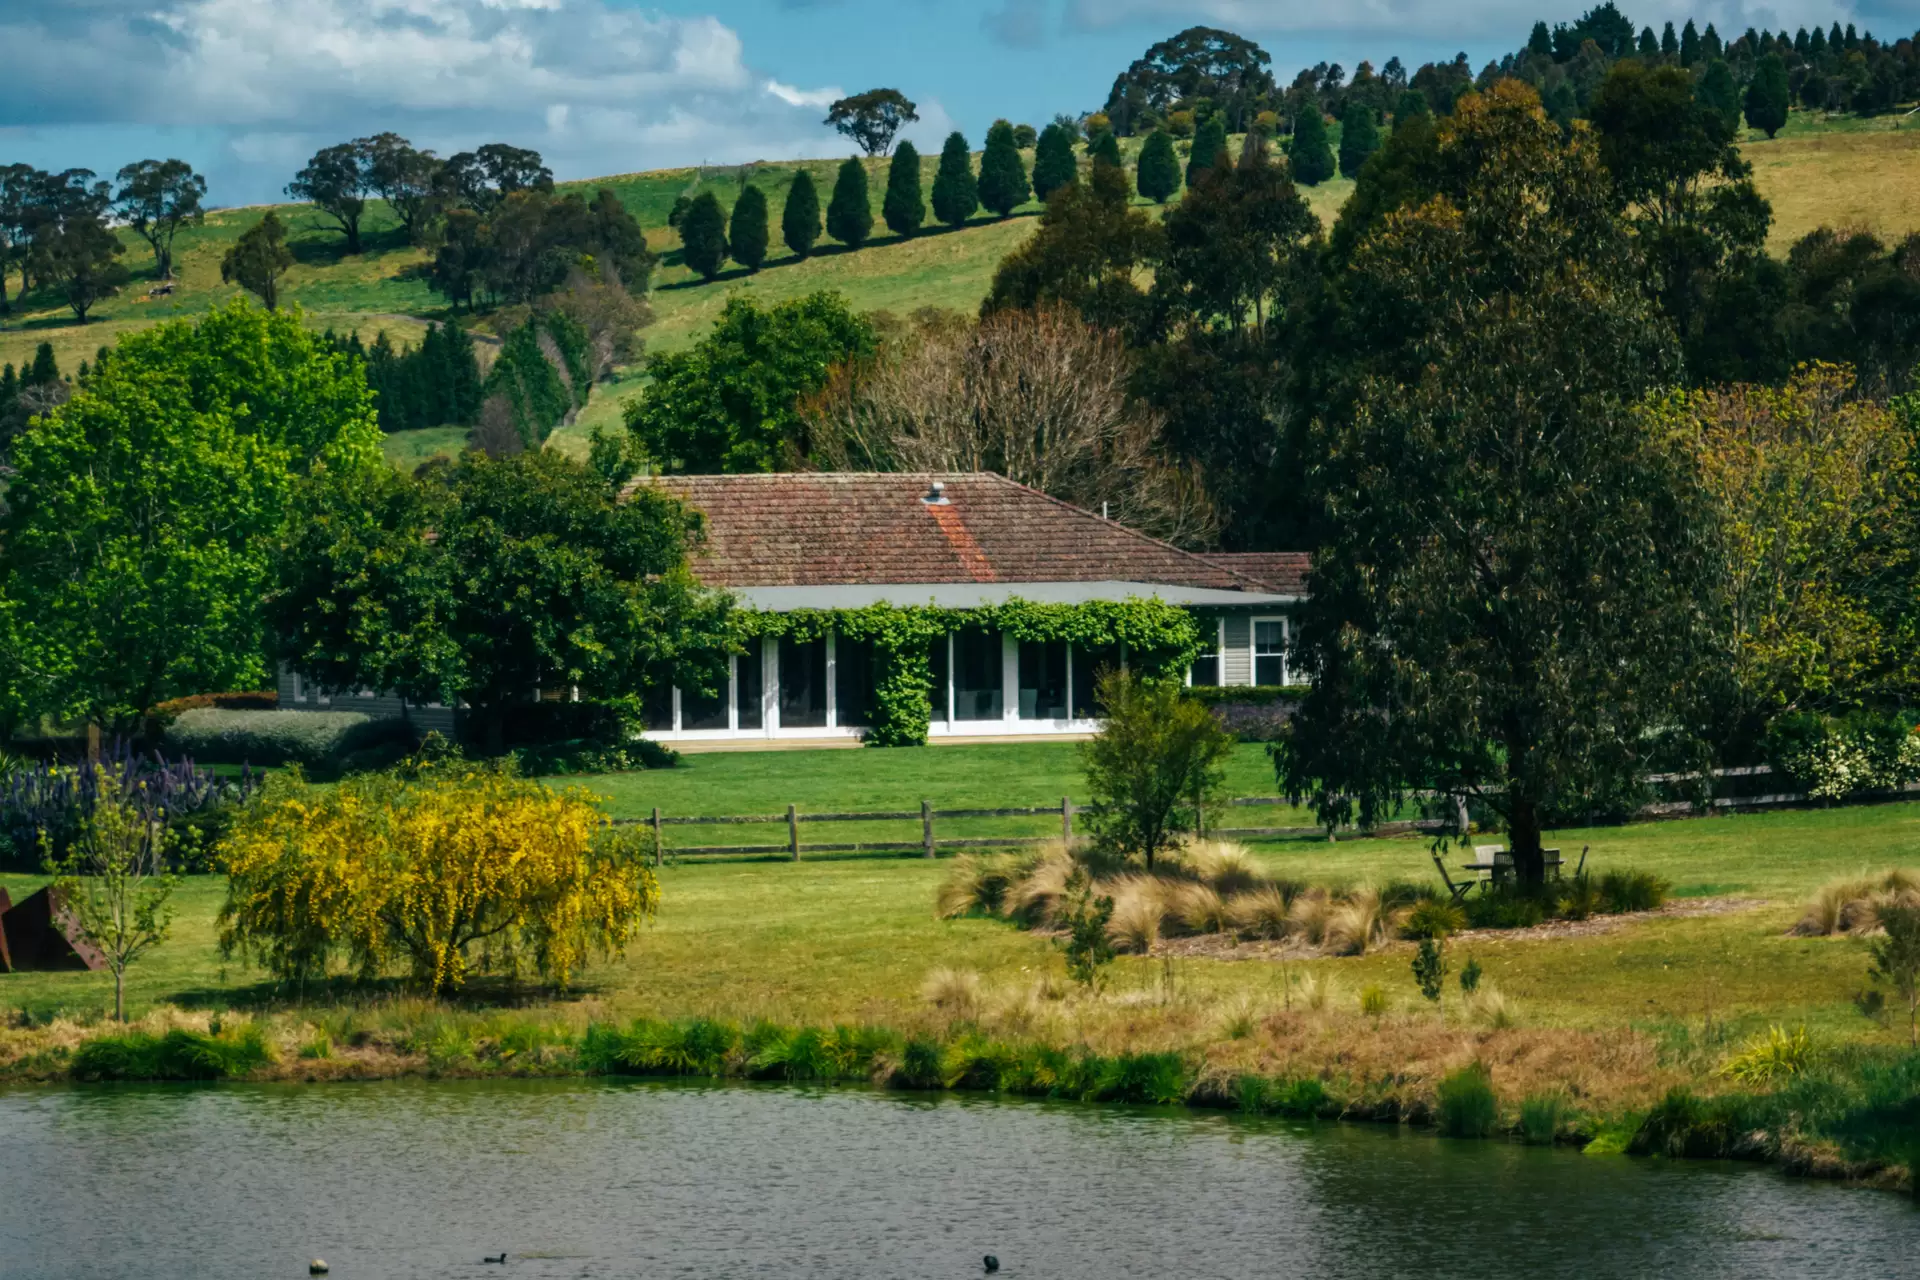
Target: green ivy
<point x="1158" y="638"/>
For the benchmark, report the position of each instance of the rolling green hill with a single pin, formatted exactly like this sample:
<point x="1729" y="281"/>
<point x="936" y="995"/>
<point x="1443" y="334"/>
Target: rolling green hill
<point x="1840" y="171"/>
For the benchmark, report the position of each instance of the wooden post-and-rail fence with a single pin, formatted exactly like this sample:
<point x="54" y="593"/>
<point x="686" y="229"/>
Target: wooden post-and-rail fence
<point x="928" y="845"/>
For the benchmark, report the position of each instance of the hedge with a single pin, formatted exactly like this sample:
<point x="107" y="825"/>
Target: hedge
<point x="215" y="735"/>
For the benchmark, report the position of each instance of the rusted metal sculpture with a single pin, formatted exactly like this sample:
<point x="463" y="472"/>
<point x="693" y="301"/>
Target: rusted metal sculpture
<point x="38" y="933"/>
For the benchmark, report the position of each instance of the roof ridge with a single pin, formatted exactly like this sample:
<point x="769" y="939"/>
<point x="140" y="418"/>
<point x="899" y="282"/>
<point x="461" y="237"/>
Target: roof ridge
<point x="1129" y="530"/>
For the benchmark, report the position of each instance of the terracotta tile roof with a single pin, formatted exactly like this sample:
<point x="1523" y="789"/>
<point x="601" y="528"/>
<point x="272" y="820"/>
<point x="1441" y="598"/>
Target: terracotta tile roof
<point x="824" y="528"/>
<point x="1282" y="572"/>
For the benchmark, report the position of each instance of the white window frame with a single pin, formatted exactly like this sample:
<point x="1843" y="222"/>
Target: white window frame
<point x="1253" y="649"/>
<point x="1219" y="655"/>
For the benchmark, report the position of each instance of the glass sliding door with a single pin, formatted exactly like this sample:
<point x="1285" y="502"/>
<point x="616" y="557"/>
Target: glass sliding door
<point x="1043" y="680"/>
<point x="1088" y="665"/>
<point x="749" y="684"/>
<point x="803" y="684"/>
<point x="978" y="672"/>
<point x="852" y="682"/>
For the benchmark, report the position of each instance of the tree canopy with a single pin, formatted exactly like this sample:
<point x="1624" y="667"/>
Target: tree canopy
<point x="1227" y="70"/>
<point x="157" y="198"/>
<point x="872" y="118"/>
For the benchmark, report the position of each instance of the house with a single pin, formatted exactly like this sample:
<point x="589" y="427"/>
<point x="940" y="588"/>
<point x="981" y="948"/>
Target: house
<point x="838" y="541"/>
<point x="822" y="543"/>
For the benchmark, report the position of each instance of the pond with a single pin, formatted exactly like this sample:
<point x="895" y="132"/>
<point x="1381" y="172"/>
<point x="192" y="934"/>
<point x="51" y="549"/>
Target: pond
<point x="589" y="1179"/>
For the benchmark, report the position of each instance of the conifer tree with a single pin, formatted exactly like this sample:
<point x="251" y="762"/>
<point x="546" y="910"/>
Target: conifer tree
<point x="703" y="236"/>
<point x="1717" y="90"/>
<point x="1669" y="42"/>
<point x="1054" y="165"/>
<point x="1159" y="173"/>
<point x="1359" y="137"/>
<point x="1309" y="153"/>
<point x="850" y="212"/>
<point x="800" y="218"/>
<point x="1689" y="44"/>
<point x="902" y="206"/>
<point x="1106" y="149"/>
<point x="1208" y="143"/>
<point x="955" y="192"/>
<point x="747" y="232"/>
<point x="1003" y="175"/>
<point x="1767" y="95"/>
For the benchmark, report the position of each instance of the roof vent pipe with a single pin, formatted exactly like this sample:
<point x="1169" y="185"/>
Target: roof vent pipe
<point x="936" y="494"/>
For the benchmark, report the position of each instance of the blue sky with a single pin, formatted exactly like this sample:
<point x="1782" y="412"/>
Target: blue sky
<point x="246" y="89"/>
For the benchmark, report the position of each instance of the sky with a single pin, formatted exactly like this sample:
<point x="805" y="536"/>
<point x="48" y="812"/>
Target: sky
<point x="245" y="90"/>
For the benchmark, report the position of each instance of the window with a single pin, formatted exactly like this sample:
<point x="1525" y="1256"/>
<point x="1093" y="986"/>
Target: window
<point x="1206" y="666"/>
<point x="656" y="706"/>
<point x="698" y="711"/>
<point x="940" y="694"/>
<point x="749" y="684"/>
<point x="1088" y="666"/>
<point x="803" y="684"/>
<point x="1269" y="651"/>
<point x="978" y="693"/>
<point x="1043" y="680"/>
<point x="852" y="681"/>
<point x="299" y="689"/>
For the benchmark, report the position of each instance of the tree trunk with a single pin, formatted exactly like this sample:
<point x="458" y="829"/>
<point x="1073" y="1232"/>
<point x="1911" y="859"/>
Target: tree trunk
<point x="1523" y="840"/>
<point x="120" y="995"/>
<point x="93" y="742"/>
<point x="353" y="236"/>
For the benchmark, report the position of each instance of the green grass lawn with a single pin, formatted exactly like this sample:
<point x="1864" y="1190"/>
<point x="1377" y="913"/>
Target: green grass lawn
<point x="408" y="449"/>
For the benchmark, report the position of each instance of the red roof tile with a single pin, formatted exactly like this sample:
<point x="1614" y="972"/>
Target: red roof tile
<point x="825" y="528"/>
<point x="1282" y="572"/>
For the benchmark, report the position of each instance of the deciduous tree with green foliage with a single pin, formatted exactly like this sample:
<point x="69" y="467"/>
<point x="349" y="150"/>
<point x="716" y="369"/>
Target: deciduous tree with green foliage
<point x="141" y="517"/>
<point x="956" y="194"/>
<point x="1003" y="174"/>
<point x="902" y="206"/>
<point x="81" y="258"/>
<point x="747" y="232"/>
<point x="1896" y="960"/>
<point x="1154" y="767"/>
<point x="1158" y="176"/>
<point x="1054" y="164"/>
<point x="800" y="215"/>
<point x="872" y="118"/>
<point x="157" y="198"/>
<point x="114" y="883"/>
<point x="703" y="236"/>
<point x="1524" y="626"/>
<point x="1091" y="253"/>
<point x="490" y="579"/>
<point x="730" y="403"/>
<point x="336" y="182"/>
<point x="258" y="259"/>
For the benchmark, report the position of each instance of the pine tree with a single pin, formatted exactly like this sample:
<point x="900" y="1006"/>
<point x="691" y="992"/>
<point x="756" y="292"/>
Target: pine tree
<point x="747" y="232"/>
<point x="1309" y="153"/>
<point x="1767" y="95"/>
<point x="45" y="370"/>
<point x="1689" y="44"/>
<point x="1003" y="175"/>
<point x="1359" y="137"/>
<point x="1106" y="149"/>
<point x="1717" y="90"/>
<point x="902" y="206"/>
<point x="955" y="192"/>
<point x="1208" y="143"/>
<point x="850" y="212"/>
<point x="703" y="236"/>
<point x="1669" y="42"/>
<point x="800" y="218"/>
<point x="1649" y="43"/>
<point x="460" y="379"/>
<point x="1159" y="173"/>
<point x="1054" y="165"/>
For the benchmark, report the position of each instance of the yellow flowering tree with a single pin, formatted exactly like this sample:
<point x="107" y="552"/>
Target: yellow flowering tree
<point x="419" y="871"/>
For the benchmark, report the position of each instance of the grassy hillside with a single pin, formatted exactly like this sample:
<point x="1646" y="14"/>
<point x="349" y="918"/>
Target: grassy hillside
<point x="1843" y="172"/>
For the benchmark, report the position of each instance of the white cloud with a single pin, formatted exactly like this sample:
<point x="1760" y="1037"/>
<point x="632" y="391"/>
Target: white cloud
<point x="1442" y="19"/>
<point x="597" y="86"/>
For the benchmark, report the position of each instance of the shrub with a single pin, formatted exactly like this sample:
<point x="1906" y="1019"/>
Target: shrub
<point x="178" y="1055"/>
<point x="1087" y="915"/>
<point x="1153" y="767"/>
<point x="1503" y="909"/>
<point x="43" y="807"/>
<point x="1624" y="891"/>
<point x="413" y="870"/>
<point x="312" y="738"/>
<point x="1373" y="1000"/>
<point x="1433" y="918"/>
<point x="162" y="714"/>
<point x="1464" y="1103"/>
<point x="1768" y="1059"/>
<point x="1579" y="897"/>
<point x="1430" y="968"/>
<point x="1851" y="904"/>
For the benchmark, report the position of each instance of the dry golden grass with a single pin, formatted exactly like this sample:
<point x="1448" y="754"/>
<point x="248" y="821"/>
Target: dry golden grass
<point x="1259" y="913"/>
<point x="1851" y="904"/>
<point x="1867" y="179"/>
<point x="1139" y="908"/>
<point x="955" y="992"/>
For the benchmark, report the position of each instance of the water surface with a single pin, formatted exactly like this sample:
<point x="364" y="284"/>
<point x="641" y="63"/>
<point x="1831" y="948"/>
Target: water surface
<point x="410" y="1179"/>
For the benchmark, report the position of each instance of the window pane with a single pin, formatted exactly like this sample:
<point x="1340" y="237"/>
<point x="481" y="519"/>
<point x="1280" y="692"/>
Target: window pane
<point x="1269" y="652"/>
<point x="1206" y="669"/>
<point x="1268" y="671"/>
<point x="937" y="661"/>
<point x="803" y="684"/>
<point x="852" y="681"/>
<point x="748" y="684"/>
<point x="1043" y="680"/>
<point x="656" y="706"/>
<point x="1088" y="666"/>
<point x="697" y="712"/>
<point x="978" y="693"/>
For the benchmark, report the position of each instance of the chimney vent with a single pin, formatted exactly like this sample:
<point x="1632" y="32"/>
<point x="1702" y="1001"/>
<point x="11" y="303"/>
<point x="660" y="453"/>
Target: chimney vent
<point x="936" y="494"/>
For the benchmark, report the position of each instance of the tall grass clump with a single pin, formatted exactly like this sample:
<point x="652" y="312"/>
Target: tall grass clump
<point x="1624" y="891"/>
<point x="1540" y="1117"/>
<point x="1851" y="904"/>
<point x="180" y="1054"/>
<point x="1771" y="1058"/>
<point x="1465" y="1105"/>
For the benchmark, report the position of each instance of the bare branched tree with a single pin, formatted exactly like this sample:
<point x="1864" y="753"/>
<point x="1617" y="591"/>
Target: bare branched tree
<point x="1039" y="396"/>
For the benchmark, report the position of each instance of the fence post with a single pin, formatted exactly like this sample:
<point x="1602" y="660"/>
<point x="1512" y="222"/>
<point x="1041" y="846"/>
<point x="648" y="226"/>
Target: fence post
<point x="793" y="833"/>
<point x="656" y="835"/>
<point x="926" y="827"/>
<point x="1066" y="818"/>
